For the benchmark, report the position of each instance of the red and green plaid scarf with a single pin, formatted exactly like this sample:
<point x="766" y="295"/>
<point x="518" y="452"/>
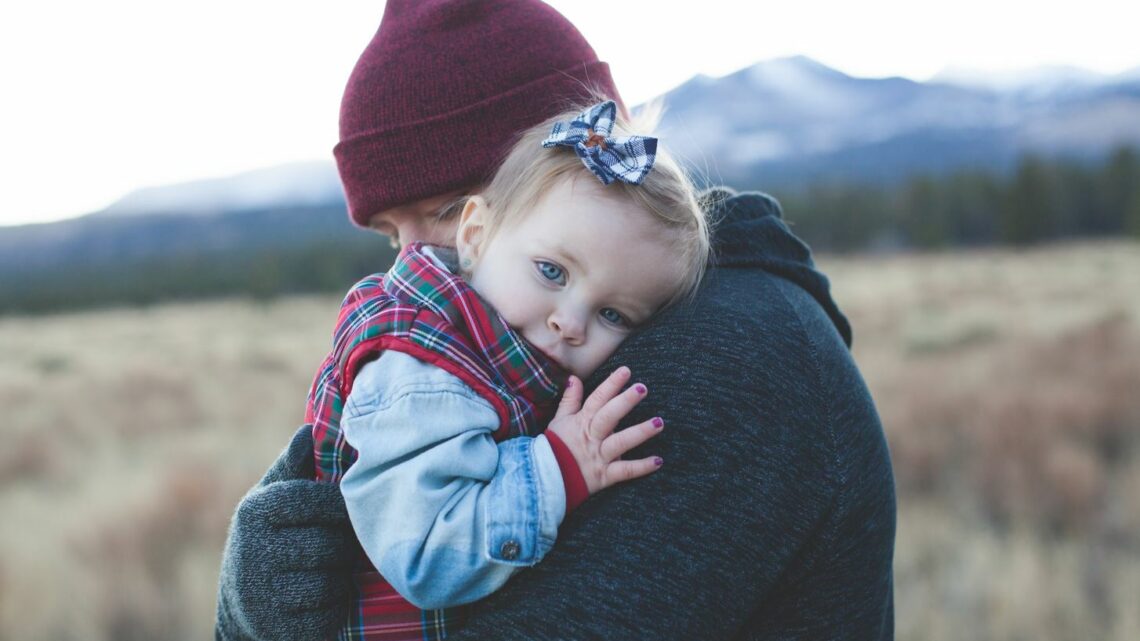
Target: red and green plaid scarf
<point x="428" y="312"/>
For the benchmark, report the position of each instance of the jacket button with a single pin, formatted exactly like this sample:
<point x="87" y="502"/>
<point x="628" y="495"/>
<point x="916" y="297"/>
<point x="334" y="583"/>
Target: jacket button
<point x="510" y="550"/>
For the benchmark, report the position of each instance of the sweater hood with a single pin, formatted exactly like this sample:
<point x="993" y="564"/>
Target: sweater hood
<point x="749" y="233"/>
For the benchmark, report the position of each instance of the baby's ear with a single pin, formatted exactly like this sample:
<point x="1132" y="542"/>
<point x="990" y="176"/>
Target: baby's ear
<point x="472" y="232"/>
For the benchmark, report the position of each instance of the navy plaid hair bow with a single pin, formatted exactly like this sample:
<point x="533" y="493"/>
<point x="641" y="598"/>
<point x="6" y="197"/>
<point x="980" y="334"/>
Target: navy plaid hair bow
<point x="626" y="158"/>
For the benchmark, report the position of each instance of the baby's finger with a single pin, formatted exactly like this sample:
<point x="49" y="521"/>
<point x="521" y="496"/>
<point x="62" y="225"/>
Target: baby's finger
<point x="614" y="446"/>
<point x="571" y="398"/>
<point x="607" y="390"/>
<point x="607" y="418"/>
<point x="621" y="471"/>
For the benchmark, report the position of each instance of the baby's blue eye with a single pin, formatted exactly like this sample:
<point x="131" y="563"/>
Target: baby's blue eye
<point x="551" y="272"/>
<point x="614" y="317"/>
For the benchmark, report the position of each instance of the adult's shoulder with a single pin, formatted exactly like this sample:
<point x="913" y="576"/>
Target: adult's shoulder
<point x="754" y="319"/>
<point x="749" y="233"/>
<point x="745" y="356"/>
<point x="755" y="356"/>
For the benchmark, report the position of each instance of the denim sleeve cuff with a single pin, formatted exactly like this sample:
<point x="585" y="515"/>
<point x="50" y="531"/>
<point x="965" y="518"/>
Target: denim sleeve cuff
<point x="520" y="518"/>
<point x="573" y="481"/>
<point x="551" y="495"/>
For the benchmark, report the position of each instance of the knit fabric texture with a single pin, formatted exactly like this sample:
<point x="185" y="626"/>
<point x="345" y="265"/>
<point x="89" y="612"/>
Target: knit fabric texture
<point x="286" y="570"/>
<point x="445" y="87"/>
<point x="773" y="516"/>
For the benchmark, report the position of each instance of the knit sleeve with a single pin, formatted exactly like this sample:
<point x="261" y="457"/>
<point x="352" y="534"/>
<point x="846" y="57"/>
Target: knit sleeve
<point x="444" y="512"/>
<point x="760" y="524"/>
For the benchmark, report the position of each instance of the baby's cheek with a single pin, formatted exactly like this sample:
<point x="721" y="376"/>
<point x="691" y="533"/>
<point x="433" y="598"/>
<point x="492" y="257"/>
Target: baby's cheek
<point x="606" y="351"/>
<point x="616" y="344"/>
<point x="511" y="309"/>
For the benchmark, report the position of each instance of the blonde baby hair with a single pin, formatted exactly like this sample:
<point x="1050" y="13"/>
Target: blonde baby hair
<point x="666" y="193"/>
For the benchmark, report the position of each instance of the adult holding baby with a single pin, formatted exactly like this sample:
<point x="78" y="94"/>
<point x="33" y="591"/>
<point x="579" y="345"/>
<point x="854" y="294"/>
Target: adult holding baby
<point x="775" y="515"/>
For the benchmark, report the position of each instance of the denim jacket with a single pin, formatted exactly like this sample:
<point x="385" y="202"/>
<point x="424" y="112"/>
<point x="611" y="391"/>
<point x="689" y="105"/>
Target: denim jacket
<point x="445" y="513"/>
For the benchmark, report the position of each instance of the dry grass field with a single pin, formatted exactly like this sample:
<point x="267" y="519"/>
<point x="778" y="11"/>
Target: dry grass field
<point x="1008" y="383"/>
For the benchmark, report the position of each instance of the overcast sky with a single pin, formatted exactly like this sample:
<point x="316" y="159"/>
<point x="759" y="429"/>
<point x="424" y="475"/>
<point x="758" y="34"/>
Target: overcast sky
<point x="100" y="98"/>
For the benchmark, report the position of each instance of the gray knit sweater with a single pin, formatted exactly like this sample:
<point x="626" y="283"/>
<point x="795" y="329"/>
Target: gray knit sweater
<point x="773" y="517"/>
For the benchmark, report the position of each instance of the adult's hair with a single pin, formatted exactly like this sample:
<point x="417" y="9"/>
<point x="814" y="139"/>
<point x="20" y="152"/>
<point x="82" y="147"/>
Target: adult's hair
<point x="444" y="87"/>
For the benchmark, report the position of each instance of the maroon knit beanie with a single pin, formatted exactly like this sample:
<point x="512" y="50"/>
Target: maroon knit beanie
<point x="443" y="90"/>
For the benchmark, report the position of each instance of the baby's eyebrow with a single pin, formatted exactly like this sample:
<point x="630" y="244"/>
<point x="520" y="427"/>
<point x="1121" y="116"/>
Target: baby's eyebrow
<point x="568" y="257"/>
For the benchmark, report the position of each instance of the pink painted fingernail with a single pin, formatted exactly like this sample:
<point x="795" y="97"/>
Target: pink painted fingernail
<point x="658" y="423"/>
<point x="570" y="382"/>
<point x="640" y="389"/>
<point x="658" y="461"/>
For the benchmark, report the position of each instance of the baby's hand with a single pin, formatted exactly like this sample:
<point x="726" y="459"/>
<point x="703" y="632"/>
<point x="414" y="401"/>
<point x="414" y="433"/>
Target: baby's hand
<point x="588" y="430"/>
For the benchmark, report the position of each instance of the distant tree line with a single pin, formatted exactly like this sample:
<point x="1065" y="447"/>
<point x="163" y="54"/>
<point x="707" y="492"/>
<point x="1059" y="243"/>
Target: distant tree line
<point x="319" y="268"/>
<point x="1041" y="200"/>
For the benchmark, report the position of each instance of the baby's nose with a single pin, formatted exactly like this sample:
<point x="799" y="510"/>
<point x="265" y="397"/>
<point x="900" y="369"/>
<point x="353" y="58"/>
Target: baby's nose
<point x="570" y="327"/>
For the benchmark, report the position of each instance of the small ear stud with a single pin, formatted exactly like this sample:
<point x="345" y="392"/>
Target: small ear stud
<point x="465" y="263"/>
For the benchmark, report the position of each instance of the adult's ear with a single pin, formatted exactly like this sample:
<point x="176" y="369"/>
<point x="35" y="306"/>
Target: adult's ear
<point x="471" y="237"/>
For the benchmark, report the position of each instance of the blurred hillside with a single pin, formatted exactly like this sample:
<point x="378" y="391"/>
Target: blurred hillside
<point x="859" y="164"/>
<point x="792" y="122"/>
<point x="115" y="260"/>
<point x="1006" y="381"/>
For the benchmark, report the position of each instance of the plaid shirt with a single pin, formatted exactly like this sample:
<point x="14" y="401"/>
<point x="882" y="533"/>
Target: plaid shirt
<point x="425" y="311"/>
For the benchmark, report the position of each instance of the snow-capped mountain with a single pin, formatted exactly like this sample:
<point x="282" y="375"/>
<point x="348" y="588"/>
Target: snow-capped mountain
<point x="1043" y="80"/>
<point x="792" y="121"/>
